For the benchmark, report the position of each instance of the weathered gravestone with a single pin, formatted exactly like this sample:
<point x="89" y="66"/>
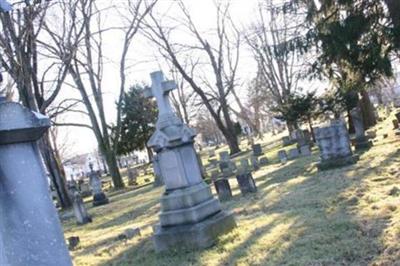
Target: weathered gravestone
<point x="30" y="231"/>
<point x="190" y="216"/>
<point x="85" y="189"/>
<point x="158" y="178"/>
<point x="263" y="161"/>
<point x="305" y="150"/>
<point x="211" y="153"/>
<point x="361" y="141"/>
<point x="257" y="149"/>
<point x="283" y="158"/>
<point x="395" y="124"/>
<point x="334" y="146"/>
<point x="293" y="153"/>
<point x="254" y="162"/>
<point x="287" y="141"/>
<point x="132" y="177"/>
<point x="80" y="212"/>
<point x="246" y="183"/>
<point x="244" y="164"/>
<point x="223" y="189"/>
<point x="99" y="198"/>
<point x="224" y="156"/>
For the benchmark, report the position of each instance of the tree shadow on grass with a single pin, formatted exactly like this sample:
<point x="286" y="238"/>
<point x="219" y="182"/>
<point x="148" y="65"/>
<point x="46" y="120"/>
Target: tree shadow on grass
<point x="130" y="214"/>
<point x="327" y="230"/>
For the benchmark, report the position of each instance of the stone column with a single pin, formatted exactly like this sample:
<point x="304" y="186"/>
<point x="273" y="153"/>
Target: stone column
<point x="191" y="217"/>
<point x="30" y="230"/>
<point x="361" y="141"/>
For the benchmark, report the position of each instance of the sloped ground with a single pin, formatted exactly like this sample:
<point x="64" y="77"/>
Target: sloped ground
<point x="346" y="216"/>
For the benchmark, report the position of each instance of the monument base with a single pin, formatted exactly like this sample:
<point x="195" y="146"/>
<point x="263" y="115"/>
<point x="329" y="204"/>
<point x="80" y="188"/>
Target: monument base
<point x="362" y="145"/>
<point x="85" y="220"/>
<point x="337" y="162"/>
<point x="100" y="199"/>
<point x="195" y="236"/>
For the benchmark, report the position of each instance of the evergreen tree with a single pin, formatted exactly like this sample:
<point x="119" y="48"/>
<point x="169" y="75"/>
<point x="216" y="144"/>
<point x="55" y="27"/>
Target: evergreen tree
<point x="139" y="115"/>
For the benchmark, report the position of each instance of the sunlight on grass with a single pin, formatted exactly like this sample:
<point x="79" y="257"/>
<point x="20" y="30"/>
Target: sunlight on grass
<point x="299" y="216"/>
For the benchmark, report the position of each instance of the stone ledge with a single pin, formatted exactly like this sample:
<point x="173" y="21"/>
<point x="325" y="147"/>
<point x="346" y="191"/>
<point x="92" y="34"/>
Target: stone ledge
<point x="186" y="198"/>
<point x="338" y="162"/>
<point x="190" y="215"/>
<point x="198" y="236"/>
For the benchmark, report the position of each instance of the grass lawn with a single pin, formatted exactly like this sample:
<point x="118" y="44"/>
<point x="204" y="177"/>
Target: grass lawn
<point x="299" y="216"/>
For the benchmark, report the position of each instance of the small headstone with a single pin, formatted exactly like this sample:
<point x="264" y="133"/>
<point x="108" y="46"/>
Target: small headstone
<point x="213" y="162"/>
<point x="257" y="150"/>
<point x="397" y="116"/>
<point x="293" y="153"/>
<point x="361" y="141"/>
<point x="305" y="150"/>
<point x="224" y="156"/>
<point x="286" y="141"/>
<point x="254" y="163"/>
<point x="223" y="165"/>
<point x="73" y="242"/>
<point x="99" y="198"/>
<point x="282" y="156"/>
<point x="263" y="161"/>
<point x="85" y="190"/>
<point x="214" y="175"/>
<point x="211" y="153"/>
<point x="244" y="164"/>
<point x="129" y="234"/>
<point x="223" y="189"/>
<point x="334" y="145"/>
<point x="80" y="212"/>
<point x="395" y="124"/>
<point x="246" y="183"/>
<point x="132" y="177"/>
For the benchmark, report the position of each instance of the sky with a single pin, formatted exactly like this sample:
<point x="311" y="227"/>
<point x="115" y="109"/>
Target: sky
<point x="144" y="58"/>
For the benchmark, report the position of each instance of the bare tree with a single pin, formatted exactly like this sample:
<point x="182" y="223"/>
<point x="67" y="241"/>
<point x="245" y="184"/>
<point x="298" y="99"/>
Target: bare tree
<point x="218" y="60"/>
<point x="86" y="68"/>
<point x="183" y="98"/>
<point x="37" y="82"/>
<point x="278" y="72"/>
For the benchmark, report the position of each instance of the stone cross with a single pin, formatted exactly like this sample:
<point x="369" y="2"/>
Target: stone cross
<point x="160" y="89"/>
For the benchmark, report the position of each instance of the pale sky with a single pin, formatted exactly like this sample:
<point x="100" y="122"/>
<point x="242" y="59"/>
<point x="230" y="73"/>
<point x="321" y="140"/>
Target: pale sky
<point x="145" y="57"/>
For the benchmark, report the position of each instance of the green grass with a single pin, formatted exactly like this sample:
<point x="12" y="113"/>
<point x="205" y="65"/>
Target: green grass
<point x="299" y="216"/>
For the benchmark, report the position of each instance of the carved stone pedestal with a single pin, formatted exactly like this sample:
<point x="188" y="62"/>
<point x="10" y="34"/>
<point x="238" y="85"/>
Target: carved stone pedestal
<point x="190" y="217"/>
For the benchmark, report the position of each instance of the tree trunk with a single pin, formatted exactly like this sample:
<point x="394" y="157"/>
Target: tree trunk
<point x="149" y="153"/>
<point x="350" y="122"/>
<point x="232" y="141"/>
<point x="368" y="110"/>
<point x="54" y="170"/>
<point x="113" y="169"/>
<point x="311" y="129"/>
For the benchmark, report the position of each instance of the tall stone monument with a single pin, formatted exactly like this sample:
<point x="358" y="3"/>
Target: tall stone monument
<point x="334" y="146"/>
<point x="99" y="197"/>
<point x="191" y="217"/>
<point x="30" y="231"/>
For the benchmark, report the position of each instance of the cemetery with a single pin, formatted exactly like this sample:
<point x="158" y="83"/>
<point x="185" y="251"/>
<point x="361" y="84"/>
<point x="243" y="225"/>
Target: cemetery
<point x="169" y="150"/>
